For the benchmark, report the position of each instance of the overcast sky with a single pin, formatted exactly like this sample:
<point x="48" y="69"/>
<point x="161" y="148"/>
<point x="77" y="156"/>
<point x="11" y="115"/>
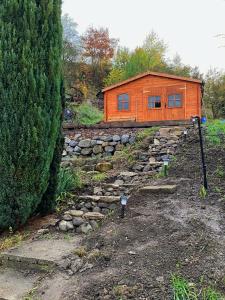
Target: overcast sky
<point x="188" y="27"/>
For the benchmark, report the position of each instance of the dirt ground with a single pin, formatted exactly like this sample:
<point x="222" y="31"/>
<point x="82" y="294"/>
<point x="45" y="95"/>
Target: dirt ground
<point x="161" y="235"/>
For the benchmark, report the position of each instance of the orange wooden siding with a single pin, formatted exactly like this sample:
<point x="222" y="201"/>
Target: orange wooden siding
<point x="140" y="89"/>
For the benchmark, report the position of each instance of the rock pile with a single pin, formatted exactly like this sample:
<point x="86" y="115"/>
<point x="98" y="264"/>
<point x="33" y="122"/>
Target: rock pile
<point x="101" y="146"/>
<point x="163" y="146"/>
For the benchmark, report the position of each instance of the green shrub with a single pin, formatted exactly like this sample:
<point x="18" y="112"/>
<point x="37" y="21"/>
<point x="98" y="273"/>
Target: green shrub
<point x="31" y="107"/>
<point x="87" y="114"/>
<point x="99" y="177"/>
<point x="142" y="134"/>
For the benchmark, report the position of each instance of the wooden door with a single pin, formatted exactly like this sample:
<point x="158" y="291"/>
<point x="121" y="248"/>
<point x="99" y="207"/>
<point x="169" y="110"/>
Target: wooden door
<point x="174" y="102"/>
<point x="153" y="109"/>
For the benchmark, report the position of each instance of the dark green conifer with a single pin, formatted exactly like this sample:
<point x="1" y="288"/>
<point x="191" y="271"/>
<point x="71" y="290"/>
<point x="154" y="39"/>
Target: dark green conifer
<point x="30" y="107"/>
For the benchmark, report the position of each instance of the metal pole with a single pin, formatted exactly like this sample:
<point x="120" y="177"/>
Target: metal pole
<point x="202" y="153"/>
<point x="122" y="211"/>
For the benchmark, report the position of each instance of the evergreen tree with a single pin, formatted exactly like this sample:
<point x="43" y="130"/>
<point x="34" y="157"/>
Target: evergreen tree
<point x="30" y="107"/>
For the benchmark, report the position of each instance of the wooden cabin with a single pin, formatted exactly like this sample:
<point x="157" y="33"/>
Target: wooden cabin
<point x="153" y="97"/>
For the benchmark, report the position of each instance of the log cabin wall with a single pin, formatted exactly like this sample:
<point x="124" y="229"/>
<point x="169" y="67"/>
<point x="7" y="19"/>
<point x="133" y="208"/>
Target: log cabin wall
<point x="144" y="91"/>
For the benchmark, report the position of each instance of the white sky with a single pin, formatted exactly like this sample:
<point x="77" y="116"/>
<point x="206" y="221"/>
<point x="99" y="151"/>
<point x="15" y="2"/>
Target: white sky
<point x="188" y="27"/>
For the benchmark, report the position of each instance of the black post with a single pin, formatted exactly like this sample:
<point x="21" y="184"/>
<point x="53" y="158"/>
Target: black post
<point x="202" y="153"/>
<point x="122" y="211"/>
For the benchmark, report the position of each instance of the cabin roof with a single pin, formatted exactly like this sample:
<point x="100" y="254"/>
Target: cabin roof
<point x="153" y="74"/>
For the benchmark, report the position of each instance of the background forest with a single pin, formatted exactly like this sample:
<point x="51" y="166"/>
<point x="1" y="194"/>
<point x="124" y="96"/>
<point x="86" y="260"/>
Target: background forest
<point x="95" y="60"/>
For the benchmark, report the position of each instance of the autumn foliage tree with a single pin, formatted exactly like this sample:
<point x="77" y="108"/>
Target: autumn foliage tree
<point x="98" y="50"/>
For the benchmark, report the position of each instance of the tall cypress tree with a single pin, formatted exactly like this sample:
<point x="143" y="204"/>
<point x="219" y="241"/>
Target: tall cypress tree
<point x="30" y="107"/>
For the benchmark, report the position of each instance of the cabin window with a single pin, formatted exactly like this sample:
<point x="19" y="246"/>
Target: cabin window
<point x="123" y="102"/>
<point x="154" y="102"/>
<point x="175" y="100"/>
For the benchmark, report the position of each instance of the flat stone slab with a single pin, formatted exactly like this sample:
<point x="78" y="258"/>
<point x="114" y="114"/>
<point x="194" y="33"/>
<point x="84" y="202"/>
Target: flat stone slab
<point x="14" y="284"/>
<point x="103" y="199"/>
<point x="40" y="253"/>
<point x="166" y="189"/>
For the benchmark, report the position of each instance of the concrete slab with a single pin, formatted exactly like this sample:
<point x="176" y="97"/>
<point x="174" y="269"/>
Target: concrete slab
<point x="14" y="285"/>
<point x="165" y="189"/>
<point x="40" y="253"/>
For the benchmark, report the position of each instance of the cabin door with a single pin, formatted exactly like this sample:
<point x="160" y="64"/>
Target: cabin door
<point x="174" y="102"/>
<point x="153" y="104"/>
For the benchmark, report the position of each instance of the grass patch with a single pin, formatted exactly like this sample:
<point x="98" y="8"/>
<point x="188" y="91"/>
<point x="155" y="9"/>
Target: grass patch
<point x="146" y="133"/>
<point x="99" y="177"/>
<point x="183" y="290"/>
<point x="216" y="132"/>
<point x="219" y="172"/>
<point x="86" y="114"/>
<point x="124" y="155"/>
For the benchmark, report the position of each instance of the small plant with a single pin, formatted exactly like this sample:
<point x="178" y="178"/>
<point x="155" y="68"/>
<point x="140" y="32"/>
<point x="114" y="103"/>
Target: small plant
<point x="99" y="177"/>
<point x="81" y="251"/>
<point x="220" y="173"/>
<point x="12" y="240"/>
<point x="146" y="133"/>
<point x="68" y="181"/>
<point x="202" y="192"/>
<point x="182" y="290"/>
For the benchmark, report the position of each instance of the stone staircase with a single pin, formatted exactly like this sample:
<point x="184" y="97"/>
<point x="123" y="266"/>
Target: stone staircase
<point x="22" y="266"/>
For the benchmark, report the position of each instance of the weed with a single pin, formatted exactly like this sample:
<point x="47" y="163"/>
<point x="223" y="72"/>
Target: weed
<point x="99" y="177"/>
<point x="217" y="189"/>
<point x="12" y="240"/>
<point x="124" y="155"/>
<point x="183" y="290"/>
<point x="123" y="291"/>
<point x="81" y="251"/>
<point x="219" y="172"/>
<point x="202" y="192"/>
<point x="146" y="133"/>
<point x="94" y="254"/>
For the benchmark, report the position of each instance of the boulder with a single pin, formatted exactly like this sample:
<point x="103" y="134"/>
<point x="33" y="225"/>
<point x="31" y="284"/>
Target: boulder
<point x="119" y="182"/>
<point x="93" y="143"/>
<point x="77" y="221"/>
<point x="97" y="209"/>
<point x="104" y="166"/>
<point x="67" y="140"/>
<point x="156" y="142"/>
<point x="94" y="224"/>
<point x="86" y="151"/>
<point x="99" y="142"/>
<point x="93" y="216"/>
<point x="73" y="143"/>
<point x="125" y="138"/>
<point x="132" y="140"/>
<point x="109" y="149"/>
<point x="76" y="265"/>
<point x="75" y="213"/>
<point x="63" y="225"/>
<point x="116" y="138"/>
<point x="70" y="225"/>
<point x="69" y="149"/>
<point x="67" y="217"/>
<point x="77" y="149"/>
<point x="85" y="228"/>
<point x="64" y="153"/>
<point x="107" y="138"/>
<point x="85" y="143"/>
<point x="97" y="149"/>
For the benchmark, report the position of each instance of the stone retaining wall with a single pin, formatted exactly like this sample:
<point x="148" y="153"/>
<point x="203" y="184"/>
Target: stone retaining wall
<point x="102" y="145"/>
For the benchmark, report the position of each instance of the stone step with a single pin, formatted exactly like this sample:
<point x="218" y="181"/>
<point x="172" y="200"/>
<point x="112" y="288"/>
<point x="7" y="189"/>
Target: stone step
<point x="157" y="189"/>
<point x="39" y="255"/>
<point x="103" y="199"/>
<point x="117" y="186"/>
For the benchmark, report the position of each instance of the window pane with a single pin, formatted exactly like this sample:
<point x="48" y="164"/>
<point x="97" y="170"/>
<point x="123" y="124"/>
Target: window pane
<point x="120" y="107"/>
<point x="126" y="105"/>
<point x="178" y="97"/>
<point x="170" y="103"/>
<point x="178" y="103"/>
<point x="120" y="97"/>
<point x="170" y="97"/>
<point x="157" y="104"/>
<point x="126" y="97"/>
